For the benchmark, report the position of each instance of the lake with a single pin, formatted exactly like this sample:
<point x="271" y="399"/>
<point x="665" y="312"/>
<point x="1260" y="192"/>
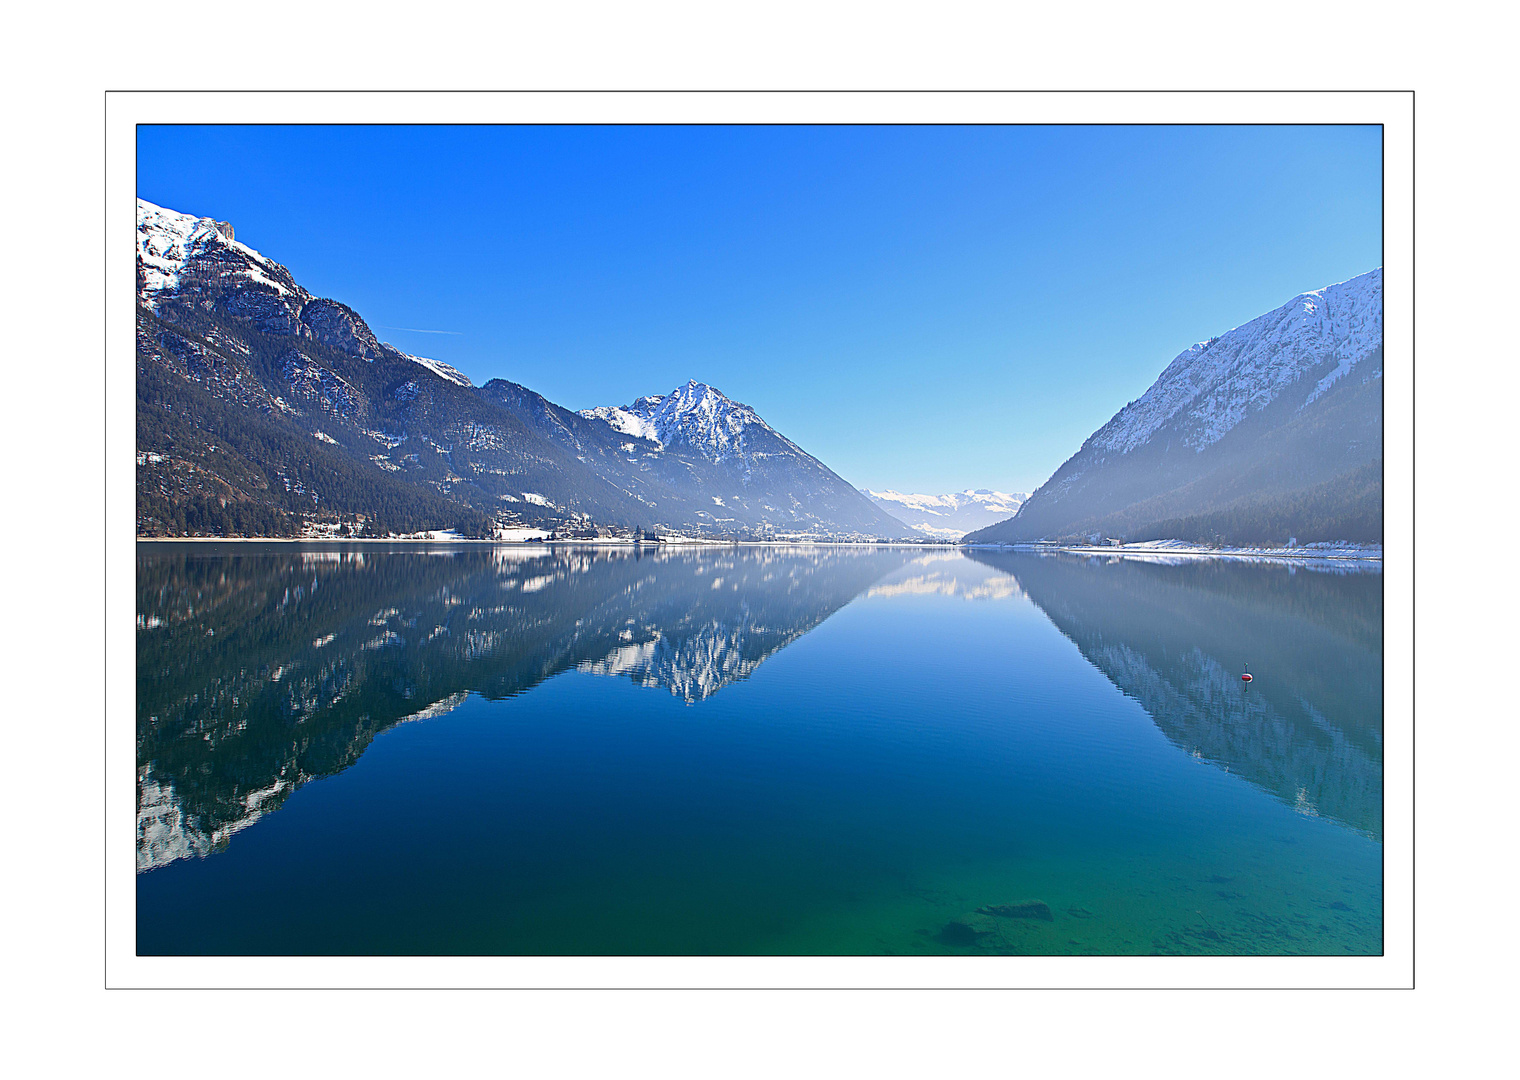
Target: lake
<point x="754" y="750"/>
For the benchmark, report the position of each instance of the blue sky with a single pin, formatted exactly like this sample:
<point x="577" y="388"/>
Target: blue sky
<point x="925" y="308"/>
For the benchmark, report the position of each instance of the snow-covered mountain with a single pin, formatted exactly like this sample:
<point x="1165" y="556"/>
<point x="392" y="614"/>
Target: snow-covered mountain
<point x="699" y="418"/>
<point x="180" y="256"/>
<point x="170" y="243"/>
<point x="1274" y="427"/>
<point x="1211" y="387"/>
<point x="949" y="517"/>
<point x="702" y="445"/>
<point x="264" y="410"/>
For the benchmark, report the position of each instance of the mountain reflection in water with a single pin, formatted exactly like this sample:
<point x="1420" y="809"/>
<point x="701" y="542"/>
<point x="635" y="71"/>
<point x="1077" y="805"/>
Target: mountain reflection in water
<point x="963" y="753"/>
<point x="262" y="667"/>
<point x="1175" y="638"/>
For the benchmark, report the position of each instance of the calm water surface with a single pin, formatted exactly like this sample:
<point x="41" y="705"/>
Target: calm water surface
<point x="754" y="750"/>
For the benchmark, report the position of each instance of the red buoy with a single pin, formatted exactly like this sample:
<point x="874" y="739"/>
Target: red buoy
<point x="1246" y="677"/>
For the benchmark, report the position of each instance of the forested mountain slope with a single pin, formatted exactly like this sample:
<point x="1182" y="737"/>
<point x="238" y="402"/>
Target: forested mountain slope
<point x="264" y="410"/>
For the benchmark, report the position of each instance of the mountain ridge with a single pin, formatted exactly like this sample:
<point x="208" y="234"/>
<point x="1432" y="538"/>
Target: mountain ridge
<point x="1286" y="403"/>
<point x="266" y="410"/>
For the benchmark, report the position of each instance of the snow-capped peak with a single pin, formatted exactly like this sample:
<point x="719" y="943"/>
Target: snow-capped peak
<point x="167" y="240"/>
<point x="695" y="415"/>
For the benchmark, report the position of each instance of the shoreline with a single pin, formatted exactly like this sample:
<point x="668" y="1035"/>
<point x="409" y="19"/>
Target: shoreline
<point x="460" y="540"/>
<point x="1156" y="549"/>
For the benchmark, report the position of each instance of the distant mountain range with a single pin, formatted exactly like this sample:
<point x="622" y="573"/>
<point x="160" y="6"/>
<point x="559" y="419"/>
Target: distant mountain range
<point x="264" y="410"/>
<point x="949" y="517"/>
<point x="1270" y="432"/>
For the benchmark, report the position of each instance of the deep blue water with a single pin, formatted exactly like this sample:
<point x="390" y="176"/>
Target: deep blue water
<point x="754" y="750"/>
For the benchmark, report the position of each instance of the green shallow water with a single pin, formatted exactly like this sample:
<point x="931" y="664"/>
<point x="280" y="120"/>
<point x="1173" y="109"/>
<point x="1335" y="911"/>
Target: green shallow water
<point x="754" y="751"/>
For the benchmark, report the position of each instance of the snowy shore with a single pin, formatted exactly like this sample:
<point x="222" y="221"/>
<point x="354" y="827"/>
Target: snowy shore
<point x="1181" y="549"/>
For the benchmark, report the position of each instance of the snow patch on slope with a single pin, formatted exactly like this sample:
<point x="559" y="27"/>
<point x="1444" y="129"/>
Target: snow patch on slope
<point x="625" y="421"/>
<point x="439" y="368"/>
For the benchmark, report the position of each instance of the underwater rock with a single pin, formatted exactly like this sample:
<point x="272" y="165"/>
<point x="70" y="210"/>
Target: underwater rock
<point x="958" y="933"/>
<point x="969" y="929"/>
<point x="1029" y="909"/>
